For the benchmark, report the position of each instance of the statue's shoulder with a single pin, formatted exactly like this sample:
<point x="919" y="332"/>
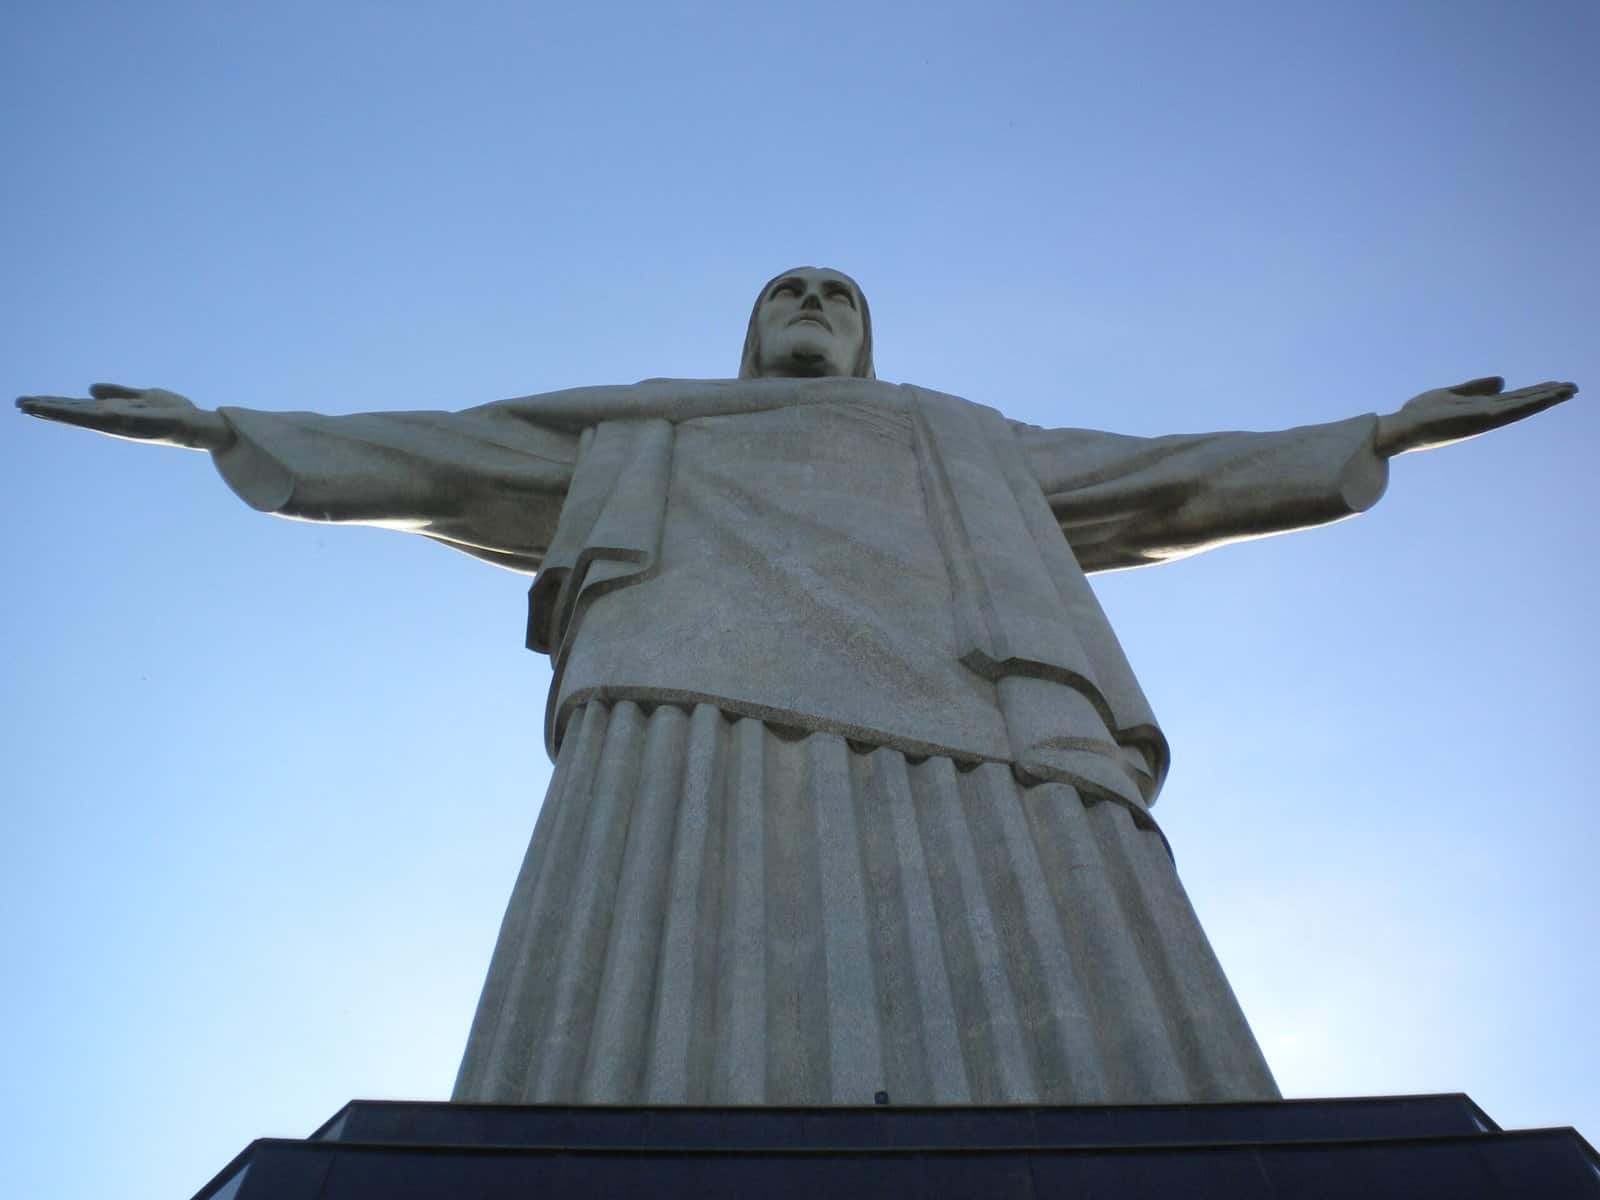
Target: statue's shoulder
<point x="687" y="399"/>
<point x="692" y="397"/>
<point x="933" y="400"/>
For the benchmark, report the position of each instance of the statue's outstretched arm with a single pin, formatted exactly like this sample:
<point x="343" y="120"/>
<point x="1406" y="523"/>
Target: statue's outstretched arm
<point x="489" y="481"/>
<point x="1130" y="501"/>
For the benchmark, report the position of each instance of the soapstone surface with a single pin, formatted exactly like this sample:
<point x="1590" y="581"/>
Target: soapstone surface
<point x="853" y="780"/>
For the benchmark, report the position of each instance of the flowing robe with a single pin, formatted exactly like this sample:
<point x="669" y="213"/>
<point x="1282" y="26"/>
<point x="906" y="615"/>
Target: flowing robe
<point x="852" y="779"/>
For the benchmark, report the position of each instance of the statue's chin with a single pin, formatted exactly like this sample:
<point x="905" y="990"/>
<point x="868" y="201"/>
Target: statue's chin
<point x="805" y="360"/>
<point x="805" y="364"/>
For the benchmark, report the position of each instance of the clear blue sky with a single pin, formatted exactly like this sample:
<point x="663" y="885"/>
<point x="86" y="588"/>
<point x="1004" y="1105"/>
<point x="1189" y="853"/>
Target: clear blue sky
<point x="267" y="784"/>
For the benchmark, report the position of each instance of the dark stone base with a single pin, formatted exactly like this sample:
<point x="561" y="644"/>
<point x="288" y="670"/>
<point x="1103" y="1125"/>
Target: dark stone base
<point x="1410" y="1147"/>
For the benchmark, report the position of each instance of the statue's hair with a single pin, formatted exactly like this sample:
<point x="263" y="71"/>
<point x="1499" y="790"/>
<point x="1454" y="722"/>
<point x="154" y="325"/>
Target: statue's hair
<point x="750" y="360"/>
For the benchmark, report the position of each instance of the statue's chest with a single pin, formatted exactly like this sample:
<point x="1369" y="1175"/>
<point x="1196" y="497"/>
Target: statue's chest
<point x="798" y="578"/>
<point x="837" y="487"/>
<point x="846" y="437"/>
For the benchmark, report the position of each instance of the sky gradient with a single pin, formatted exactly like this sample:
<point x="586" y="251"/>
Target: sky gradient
<point x="268" y="784"/>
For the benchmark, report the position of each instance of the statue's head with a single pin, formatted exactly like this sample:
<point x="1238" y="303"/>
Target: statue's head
<point x="807" y="322"/>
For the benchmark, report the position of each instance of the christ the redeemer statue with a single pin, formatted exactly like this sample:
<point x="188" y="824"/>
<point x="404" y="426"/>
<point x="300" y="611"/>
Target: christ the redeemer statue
<point x="853" y="783"/>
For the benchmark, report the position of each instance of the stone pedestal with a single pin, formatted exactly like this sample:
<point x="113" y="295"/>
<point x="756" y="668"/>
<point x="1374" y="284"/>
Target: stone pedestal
<point x="1410" y="1147"/>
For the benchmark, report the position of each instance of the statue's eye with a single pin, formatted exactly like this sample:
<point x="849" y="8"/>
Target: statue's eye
<point x="790" y="288"/>
<point x="841" y="294"/>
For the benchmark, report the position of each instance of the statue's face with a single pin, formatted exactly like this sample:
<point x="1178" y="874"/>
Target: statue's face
<point x="809" y="324"/>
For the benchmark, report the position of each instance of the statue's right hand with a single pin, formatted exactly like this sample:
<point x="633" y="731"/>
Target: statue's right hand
<point x="138" y="414"/>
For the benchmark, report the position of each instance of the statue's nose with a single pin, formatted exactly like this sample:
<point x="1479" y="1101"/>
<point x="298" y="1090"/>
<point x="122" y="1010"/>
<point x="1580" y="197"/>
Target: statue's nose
<point x="811" y="301"/>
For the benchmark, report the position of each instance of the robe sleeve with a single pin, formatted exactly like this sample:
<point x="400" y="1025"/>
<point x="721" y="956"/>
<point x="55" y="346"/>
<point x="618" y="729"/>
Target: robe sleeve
<point x="488" y="481"/>
<point x="1130" y="501"/>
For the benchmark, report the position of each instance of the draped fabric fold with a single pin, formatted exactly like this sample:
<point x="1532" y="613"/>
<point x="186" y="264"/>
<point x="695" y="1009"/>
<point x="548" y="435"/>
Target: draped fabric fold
<point x="1021" y="616"/>
<point x="577" y="484"/>
<point x="714" y="913"/>
<point x="1025" y="614"/>
<point x="609" y="535"/>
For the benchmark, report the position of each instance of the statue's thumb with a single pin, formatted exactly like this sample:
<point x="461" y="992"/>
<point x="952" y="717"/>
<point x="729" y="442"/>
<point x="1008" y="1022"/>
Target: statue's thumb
<point x="1489" y="385"/>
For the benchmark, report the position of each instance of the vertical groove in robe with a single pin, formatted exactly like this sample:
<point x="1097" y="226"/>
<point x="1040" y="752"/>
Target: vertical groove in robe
<point x="502" y="1043"/>
<point x="680" y="993"/>
<point x="928" y="1027"/>
<point x="1135" y="1043"/>
<point x="713" y="912"/>
<point x="797" y="1019"/>
<point x="855" y="1051"/>
<point x="1053" y="1007"/>
<point x="473" y="1076"/>
<point x="616" y="1047"/>
<point x="740" y="1067"/>
<point x="577" y="966"/>
<point x="1104" y="819"/>
<point x="713" y="898"/>
<point x="1202" y="1000"/>
<point x="991" y="1040"/>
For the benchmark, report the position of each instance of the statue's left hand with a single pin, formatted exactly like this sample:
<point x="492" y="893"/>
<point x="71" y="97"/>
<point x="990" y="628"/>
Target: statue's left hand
<point x="1454" y="414"/>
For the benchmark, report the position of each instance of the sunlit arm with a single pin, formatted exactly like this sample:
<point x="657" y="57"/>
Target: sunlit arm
<point x="487" y="481"/>
<point x="1130" y="501"/>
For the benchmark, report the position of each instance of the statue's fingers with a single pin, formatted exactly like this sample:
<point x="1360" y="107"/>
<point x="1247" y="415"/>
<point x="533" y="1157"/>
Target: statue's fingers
<point x="68" y="410"/>
<point x="1489" y="385"/>
<point x="40" y="406"/>
<point x="1540" y="390"/>
<point x="1525" y="402"/>
<point x="114" y="391"/>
